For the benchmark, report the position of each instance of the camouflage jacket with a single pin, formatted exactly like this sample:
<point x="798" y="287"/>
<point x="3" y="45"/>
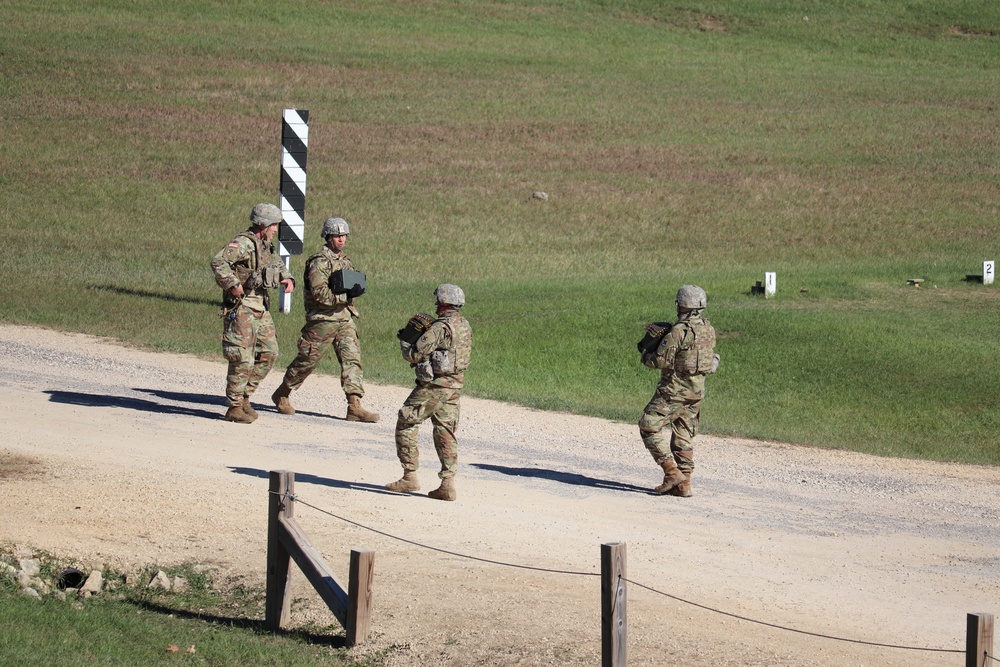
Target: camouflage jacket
<point x="320" y="301"/>
<point x="442" y="353"/>
<point x="684" y="357"/>
<point x="250" y="262"/>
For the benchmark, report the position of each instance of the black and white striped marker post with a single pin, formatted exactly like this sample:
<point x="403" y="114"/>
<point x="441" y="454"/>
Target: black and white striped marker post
<point x="294" y="145"/>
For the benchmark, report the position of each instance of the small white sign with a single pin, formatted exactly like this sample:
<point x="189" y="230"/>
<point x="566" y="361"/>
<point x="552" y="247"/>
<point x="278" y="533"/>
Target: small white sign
<point x="988" y="272"/>
<point x="770" y="283"/>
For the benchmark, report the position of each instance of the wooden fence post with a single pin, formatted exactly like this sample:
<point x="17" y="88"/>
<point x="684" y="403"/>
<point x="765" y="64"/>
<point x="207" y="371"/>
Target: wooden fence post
<point x="359" y="595"/>
<point x="978" y="639"/>
<point x="277" y="610"/>
<point x="614" y="647"/>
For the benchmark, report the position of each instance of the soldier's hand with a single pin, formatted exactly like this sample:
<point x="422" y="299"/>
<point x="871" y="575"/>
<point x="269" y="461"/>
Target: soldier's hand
<point x="237" y="291"/>
<point x="289" y="285"/>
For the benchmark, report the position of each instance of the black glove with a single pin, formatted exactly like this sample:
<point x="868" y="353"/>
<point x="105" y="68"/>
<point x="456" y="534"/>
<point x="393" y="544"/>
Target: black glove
<point x="356" y="291"/>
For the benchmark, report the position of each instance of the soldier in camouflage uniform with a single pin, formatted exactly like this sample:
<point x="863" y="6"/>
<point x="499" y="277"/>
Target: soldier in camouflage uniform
<point x="440" y="357"/>
<point x="245" y="270"/>
<point x="329" y="321"/>
<point x="684" y="356"/>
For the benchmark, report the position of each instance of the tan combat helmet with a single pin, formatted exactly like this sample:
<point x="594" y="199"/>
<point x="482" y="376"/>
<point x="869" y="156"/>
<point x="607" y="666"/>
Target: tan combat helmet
<point x="336" y="227"/>
<point x="451" y="295"/>
<point x="692" y="297"/>
<point x="265" y="215"/>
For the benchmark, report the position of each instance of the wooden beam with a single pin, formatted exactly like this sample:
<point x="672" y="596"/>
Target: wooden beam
<point x="315" y="568"/>
<point x="614" y="626"/>
<point x="277" y="608"/>
<point x="978" y="639"/>
<point x="360" y="595"/>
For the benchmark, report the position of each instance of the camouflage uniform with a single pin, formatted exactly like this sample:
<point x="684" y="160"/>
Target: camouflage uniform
<point x="684" y="356"/>
<point x="329" y="320"/>
<point x="249" y="342"/>
<point x="447" y="343"/>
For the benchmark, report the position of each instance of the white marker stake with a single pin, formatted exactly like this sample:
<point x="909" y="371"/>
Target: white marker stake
<point x="988" y="272"/>
<point x="770" y="283"/>
<point x="294" y="146"/>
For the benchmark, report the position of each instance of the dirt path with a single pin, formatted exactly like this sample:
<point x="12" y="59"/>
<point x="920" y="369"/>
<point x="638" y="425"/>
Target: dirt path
<point x="140" y="468"/>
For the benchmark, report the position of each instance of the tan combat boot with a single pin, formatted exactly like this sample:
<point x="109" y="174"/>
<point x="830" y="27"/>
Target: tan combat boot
<point x="672" y="476"/>
<point x="280" y="398"/>
<point x="248" y="409"/>
<point x="356" y="413"/>
<point x="446" y="491"/>
<point x="235" y="414"/>
<point x="408" y="482"/>
<point x="684" y="488"/>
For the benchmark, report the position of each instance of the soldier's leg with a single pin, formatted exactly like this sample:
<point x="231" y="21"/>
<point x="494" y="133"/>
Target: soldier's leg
<point x="654" y="419"/>
<point x="348" y="348"/>
<point x="419" y="405"/>
<point x="445" y="421"/>
<point x="265" y="352"/>
<point x="314" y="341"/>
<point x="237" y="347"/>
<point x="683" y="429"/>
<point x="352" y="379"/>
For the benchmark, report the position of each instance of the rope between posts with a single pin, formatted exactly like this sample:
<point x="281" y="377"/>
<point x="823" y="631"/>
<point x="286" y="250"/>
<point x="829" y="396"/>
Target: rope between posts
<point x="443" y="551"/>
<point x="990" y="657"/>
<point x="296" y="498"/>
<point x="801" y="632"/>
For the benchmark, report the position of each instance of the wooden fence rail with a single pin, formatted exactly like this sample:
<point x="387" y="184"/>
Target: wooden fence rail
<point x="287" y="541"/>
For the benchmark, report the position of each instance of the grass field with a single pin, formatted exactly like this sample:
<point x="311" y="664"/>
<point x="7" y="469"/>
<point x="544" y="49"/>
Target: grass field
<point x="847" y="146"/>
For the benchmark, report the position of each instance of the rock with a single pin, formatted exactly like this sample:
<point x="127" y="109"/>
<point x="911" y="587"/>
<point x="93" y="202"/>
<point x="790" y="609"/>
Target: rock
<point x="544" y="196"/>
<point x="31" y="593"/>
<point x="179" y="584"/>
<point x="30" y="566"/>
<point x="159" y="580"/>
<point x="7" y="568"/>
<point x="94" y="584"/>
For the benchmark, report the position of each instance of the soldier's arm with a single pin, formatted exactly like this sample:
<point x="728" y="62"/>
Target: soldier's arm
<point x="318" y="281"/>
<point x="223" y="262"/>
<point x="663" y="357"/>
<point x="426" y="344"/>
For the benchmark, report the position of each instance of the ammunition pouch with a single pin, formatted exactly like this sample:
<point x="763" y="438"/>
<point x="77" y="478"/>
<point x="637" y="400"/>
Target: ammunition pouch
<point x="415" y="328"/>
<point x="425" y="373"/>
<point x="271" y="277"/>
<point x="345" y="281"/>
<point x="442" y="363"/>
<point x="654" y="334"/>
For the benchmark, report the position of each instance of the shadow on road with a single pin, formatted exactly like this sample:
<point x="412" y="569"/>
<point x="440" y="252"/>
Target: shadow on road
<point x="563" y="477"/>
<point x="104" y="401"/>
<point x="266" y="406"/>
<point x="320" y="481"/>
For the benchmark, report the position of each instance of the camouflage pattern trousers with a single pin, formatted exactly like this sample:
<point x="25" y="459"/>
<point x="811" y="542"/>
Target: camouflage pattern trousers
<point x="441" y="405"/>
<point x="250" y="345"/>
<point x="682" y="416"/>
<point x="317" y="337"/>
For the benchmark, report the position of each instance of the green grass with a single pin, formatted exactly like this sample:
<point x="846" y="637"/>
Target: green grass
<point x="128" y="624"/>
<point x="847" y="146"/>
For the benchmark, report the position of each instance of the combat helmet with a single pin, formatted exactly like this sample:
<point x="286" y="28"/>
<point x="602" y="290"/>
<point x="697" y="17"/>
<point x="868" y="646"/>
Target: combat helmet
<point x="692" y="297"/>
<point x="336" y="227"/>
<point x="449" y="294"/>
<point x="265" y="215"/>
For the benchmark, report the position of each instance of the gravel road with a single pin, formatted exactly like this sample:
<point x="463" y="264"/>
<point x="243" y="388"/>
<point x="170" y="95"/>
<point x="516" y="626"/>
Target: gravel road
<point x="138" y="467"/>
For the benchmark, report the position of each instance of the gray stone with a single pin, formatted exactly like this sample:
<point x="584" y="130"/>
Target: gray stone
<point x="30" y="566"/>
<point x="179" y="584"/>
<point x="94" y="583"/>
<point x="160" y="580"/>
<point x="31" y="593"/>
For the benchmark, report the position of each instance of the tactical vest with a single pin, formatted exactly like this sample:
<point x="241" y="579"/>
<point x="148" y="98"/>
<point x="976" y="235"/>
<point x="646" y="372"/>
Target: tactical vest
<point x="695" y="356"/>
<point x="455" y="358"/>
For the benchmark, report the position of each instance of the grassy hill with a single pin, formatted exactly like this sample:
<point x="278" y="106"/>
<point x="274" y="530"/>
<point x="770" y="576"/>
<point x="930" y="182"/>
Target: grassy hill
<point x="846" y="146"/>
